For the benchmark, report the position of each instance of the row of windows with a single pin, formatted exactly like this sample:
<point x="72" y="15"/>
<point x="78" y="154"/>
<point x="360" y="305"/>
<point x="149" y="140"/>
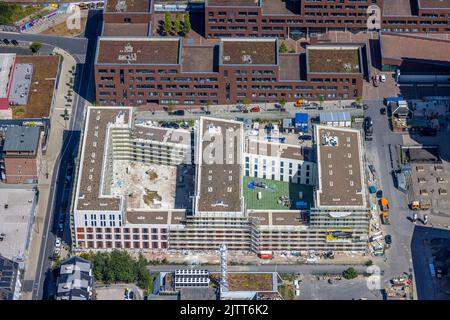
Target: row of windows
<point x="118" y="245"/>
<point x="119" y="237"/>
<point x="124" y="230"/>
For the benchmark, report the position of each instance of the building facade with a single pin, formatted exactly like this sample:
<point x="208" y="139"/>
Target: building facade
<point x="104" y="218"/>
<point x="131" y="71"/>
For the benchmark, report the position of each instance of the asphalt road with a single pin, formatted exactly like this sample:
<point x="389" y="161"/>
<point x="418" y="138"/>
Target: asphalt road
<point x="83" y="50"/>
<point x="280" y="268"/>
<point x="75" y="46"/>
<point x="401" y="229"/>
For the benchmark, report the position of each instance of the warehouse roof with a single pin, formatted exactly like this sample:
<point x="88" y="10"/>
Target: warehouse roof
<point x="138" y="50"/>
<point x="21" y="139"/>
<point x="399" y="47"/>
<point x="340" y="168"/>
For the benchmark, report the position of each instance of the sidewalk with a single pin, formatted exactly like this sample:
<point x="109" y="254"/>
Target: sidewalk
<point x="49" y="159"/>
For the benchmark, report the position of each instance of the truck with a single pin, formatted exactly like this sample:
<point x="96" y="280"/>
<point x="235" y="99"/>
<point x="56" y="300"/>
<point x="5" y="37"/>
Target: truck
<point x="420" y="205"/>
<point x="265" y="255"/>
<point x="384" y="203"/>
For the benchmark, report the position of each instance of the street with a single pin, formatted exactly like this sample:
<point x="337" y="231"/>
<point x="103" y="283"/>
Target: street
<point x="401" y="229"/>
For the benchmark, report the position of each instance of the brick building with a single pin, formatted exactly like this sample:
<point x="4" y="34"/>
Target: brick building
<point x="22" y="154"/>
<point x="139" y="71"/>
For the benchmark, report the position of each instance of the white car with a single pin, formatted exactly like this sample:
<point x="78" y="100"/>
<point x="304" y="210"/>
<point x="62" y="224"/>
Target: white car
<point x="58" y="243"/>
<point x="382" y="78"/>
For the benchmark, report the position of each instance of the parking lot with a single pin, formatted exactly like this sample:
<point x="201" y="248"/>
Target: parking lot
<point x="16" y="207"/>
<point x="312" y="288"/>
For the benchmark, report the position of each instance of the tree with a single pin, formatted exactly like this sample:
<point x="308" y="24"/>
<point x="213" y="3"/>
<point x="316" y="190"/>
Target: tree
<point x="246" y="103"/>
<point x="177" y="26"/>
<point x="35" y="47"/>
<point x="359" y="100"/>
<point x="282" y="102"/>
<point x="187" y="24"/>
<point x="350" y="273"/>
<point x="283" y="48"/>
<point x="167" y="23"/>
<point x="369" y="263"/>
<point x="321" y="99"/>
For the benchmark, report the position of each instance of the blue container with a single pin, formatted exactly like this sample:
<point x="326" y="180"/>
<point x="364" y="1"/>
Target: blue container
<point x="301" y="205"/>
<point x="372" y="189"/>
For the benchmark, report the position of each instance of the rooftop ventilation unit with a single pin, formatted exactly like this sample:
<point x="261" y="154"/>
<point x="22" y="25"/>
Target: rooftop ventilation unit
<point x="331" y="141"/>
<point x="246" y="58"/>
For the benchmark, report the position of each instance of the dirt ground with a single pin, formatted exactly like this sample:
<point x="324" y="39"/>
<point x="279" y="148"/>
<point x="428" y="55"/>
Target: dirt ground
<point x="45" y="71"/>
<point x="62" y="30"/>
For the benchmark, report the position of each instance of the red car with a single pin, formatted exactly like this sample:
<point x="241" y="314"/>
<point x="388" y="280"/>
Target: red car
<point x="255" y="109"/>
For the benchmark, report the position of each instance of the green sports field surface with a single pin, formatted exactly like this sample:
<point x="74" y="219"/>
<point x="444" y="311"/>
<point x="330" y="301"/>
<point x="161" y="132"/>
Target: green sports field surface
<point x="269" y="200"/>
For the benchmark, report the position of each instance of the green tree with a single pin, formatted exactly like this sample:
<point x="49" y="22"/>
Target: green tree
<point x="282" y="102"/>
<point x="177" y="25"/>
<point x="167" y="23"/>
<point x="35" y="47"/>
<point x="369" y="263"/>
<point x="283" y="48"/>
<point x="321" y="99"/>
<point x="359" y="100"/>
<point x="246" y="103"/>
<point x="187" y="23"/>
<point x="350" y="273"/>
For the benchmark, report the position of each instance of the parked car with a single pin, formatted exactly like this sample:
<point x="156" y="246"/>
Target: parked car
<point x="388" y="239"/>
<point x="178" y="113"/>
<point x="6" y="41"/>
<point x="255" y="109"/>
<point x="379" y="194"/>
<point x="58" y="243"/>
<point x="382" y="78"/>
<point x="171" y="125"/>
<point x="428" y="132"/>
<point x="14" y="42"/>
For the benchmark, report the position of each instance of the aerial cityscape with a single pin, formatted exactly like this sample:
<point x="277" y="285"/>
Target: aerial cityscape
<point x="224" y="150"/>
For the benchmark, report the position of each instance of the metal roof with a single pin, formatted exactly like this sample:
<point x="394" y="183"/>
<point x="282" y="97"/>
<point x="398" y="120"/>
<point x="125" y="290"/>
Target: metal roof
<point x="335" y="116"/>
<point x="21" y="139"/>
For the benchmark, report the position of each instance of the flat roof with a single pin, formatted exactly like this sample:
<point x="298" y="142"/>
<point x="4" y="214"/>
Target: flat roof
<point x="219" y="185"/>
<point x="277" y="218"/>
<point x="198" y="58"/>
<point x="434" y="4"/>
<point x="395" y="46"/>
<point x="340" y="168"/>
<point x="397" y="8"/>
<point x="6" y="64"/>
<point x="290" y="67"/>
<point x="126" y="29"/>
<point x="127" y="50"/>
<point x="278" y="150"/>
<point x="333" y="59"/>
<point x="40" y="96"/>
<point x="232" y="3"/>
<point x="92" y="158"/>
<point x="155" y="217"/>
<point x="21" y="139"/>
<point x="162" y="135"/>
<point x="249" y="51"/>
<point x="127" y="6"/>
<point x="20" y="84"/>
